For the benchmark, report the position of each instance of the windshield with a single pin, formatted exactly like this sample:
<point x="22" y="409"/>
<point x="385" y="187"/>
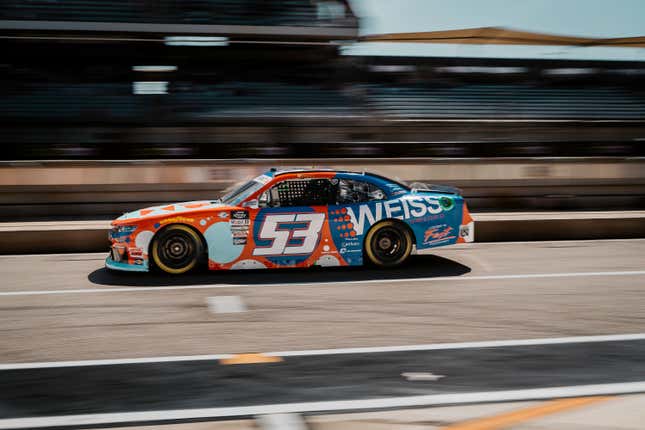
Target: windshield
<point x="242" y="190"/>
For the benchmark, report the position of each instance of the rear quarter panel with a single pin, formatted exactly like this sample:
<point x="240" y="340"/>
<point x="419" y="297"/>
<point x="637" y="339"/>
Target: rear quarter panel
<point x="433" y="219"/>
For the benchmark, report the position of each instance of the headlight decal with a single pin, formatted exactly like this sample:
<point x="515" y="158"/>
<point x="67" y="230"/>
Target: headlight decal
<point x="121" y="231"/>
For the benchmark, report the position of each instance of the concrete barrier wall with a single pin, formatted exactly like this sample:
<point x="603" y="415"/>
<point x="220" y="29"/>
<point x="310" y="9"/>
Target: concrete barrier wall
<point x="94" y="188"/>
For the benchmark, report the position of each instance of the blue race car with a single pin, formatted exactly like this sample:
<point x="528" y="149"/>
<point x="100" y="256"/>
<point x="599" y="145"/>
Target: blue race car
<point x="294" y="218"/>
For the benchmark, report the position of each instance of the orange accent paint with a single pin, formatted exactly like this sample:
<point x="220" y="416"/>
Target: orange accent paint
<point x="508" y="419"/>
<point x="250" y="359"/>
<point x="465" y="217"/>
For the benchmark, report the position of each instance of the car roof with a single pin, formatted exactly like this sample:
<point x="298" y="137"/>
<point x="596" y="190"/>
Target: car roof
<point x="280" y="172"/>
<point x="379" y="180"/>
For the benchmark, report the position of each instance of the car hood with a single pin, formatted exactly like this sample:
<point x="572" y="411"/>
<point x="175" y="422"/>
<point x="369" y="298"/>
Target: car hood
<point x="170" y="210"/>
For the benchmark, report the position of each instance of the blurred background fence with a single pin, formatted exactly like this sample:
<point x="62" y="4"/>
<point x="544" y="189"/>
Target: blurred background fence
<point x="101" y="188"/>
<point x="275" y="82"/>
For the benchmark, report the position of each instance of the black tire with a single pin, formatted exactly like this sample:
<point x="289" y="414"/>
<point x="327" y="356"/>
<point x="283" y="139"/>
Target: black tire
<point x="177" y="249"/>
<point x="388" y="244"/>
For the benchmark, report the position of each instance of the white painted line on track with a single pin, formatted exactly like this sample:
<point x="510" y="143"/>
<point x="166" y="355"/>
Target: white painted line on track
<point x="465" y="345"/>
<point x="225" y="304"/>
<point x="421" y="376"/>
<point x="111" y="362"/>
<point x="144" y="289"/>
<point x="281" y="422"/>
<point x="337" y="351"/>
<point x="326" y="406"/>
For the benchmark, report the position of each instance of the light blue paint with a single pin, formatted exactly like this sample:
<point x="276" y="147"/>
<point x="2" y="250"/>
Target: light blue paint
<point x="220" y="243"/>
<point x="115" y="265"/>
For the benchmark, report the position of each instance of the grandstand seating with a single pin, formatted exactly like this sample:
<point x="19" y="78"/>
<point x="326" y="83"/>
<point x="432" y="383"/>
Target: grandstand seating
<point x="185" y="102"/>
<point x="261" y="99"/>
<point x="200" y="102"/>
<point x="504" y="101"/>
<point x="225" y="12"/>
<point x="48" y="101"/>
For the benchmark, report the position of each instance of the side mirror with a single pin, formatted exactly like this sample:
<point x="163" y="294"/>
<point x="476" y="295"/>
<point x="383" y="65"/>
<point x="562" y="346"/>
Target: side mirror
<point x="251" y="204"/>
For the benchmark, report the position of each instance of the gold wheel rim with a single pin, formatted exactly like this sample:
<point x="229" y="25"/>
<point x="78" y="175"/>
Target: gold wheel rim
<point x="164" y="267"/>
<point x="373" y="258"/>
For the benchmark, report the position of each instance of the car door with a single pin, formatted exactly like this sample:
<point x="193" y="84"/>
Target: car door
<point x="358" y="206"/>
<point x="288" y="229"/>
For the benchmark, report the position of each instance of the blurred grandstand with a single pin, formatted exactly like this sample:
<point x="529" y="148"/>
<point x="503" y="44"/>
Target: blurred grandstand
<point x="257" y="78"/>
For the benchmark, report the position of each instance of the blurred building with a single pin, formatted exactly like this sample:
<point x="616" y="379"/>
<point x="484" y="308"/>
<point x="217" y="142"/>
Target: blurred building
<point x="258" y="78"/>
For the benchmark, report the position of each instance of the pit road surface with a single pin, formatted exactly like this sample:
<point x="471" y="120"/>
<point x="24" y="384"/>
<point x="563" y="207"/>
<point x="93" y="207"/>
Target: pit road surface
<point x="464" y="293"/>
<point x="67" y="307"/>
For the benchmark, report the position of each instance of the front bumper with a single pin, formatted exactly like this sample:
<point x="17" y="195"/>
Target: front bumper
<point x="124" y="266"/>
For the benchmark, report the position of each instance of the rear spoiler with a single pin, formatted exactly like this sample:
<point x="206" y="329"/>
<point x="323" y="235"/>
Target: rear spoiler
<point x="444" y="189"/>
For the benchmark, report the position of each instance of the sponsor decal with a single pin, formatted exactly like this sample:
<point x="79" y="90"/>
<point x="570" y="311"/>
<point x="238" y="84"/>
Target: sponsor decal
<point x="403" y="209"/>
<point x="223" y="215"/>
<point x="466" y="231"/>
<point x="138" y="261"/>
<point x="436" y="234"/>
<point x="447" y="203"/>
<point x="240" y="233"/>
<point x="240" y="214"/>
<point x="135" y="252"/>
<point x="349" y="251"/>
<point x="177" y="219"/>
<point x="239" y="241"/>
<point x="240" y="222"/>
<point x="427" y="218"/>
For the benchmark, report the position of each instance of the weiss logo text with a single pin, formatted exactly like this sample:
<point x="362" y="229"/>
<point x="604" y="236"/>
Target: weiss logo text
<point x="400" y="209"/>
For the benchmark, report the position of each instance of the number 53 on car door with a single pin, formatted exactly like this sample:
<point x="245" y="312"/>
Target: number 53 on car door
<point x="290" y="234"/>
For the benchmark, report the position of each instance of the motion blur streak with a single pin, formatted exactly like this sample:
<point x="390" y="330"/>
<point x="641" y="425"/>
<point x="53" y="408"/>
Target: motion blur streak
<point x="373" y="281"/>
<point x="532" y="114"/>
<point x="516" y="417"/>
<point x="348" y="405"/>
<point x="257" y="358"/>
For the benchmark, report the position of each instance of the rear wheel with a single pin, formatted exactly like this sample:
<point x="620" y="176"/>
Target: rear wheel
<point x="177" y="249"/>
<point x="388" y="244"/>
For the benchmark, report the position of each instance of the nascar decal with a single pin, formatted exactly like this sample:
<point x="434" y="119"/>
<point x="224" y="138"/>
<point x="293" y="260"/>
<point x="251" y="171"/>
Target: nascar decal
<point x="403" y="209"/>
<point x="290" y="234"/>
<point x="239" y="214"/>
<point x="239" y="222"/>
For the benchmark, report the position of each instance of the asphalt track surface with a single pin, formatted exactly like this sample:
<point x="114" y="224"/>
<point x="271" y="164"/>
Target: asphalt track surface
<point x="67" y="307"/>
<point x="202" y="384"/>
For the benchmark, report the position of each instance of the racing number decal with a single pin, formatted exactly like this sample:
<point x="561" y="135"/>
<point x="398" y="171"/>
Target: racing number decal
<point x="286" y="228"/>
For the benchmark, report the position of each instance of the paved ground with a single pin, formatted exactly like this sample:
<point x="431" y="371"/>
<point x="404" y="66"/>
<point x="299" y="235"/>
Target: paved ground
<point x="434" y="373"/>
<point x="321" y="308"/>
<point x="67" y="307"/>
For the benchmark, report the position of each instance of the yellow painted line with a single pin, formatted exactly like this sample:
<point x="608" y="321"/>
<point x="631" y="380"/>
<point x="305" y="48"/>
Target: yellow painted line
<point x="508" y="419"/>
<point x="251" y="359"/>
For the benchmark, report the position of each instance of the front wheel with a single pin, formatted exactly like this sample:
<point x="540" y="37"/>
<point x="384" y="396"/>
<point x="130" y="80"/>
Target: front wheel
<point x="388" y="244"/>
<point x="177" y="249"/>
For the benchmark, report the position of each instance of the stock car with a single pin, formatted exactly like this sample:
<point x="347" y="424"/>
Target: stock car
<point x="293" y="218"/>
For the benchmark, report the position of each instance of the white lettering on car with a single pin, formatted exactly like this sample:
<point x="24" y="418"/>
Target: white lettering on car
<point x="412" y="208"/>
<point x="365" y="215"/>
<point x="419" y="208"/>
<point x="280" y="229"/>
<point x="392" y="207"/>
